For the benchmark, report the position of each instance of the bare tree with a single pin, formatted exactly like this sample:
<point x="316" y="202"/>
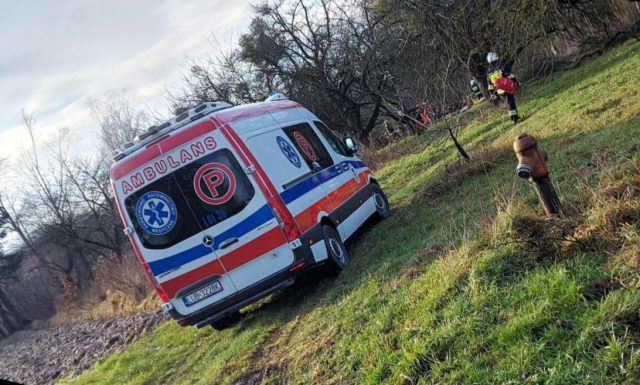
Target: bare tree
<point x="331" y="55"/>
<point x="226" y="77"/>
<point x="118" y="120"/>
<point x="67" y="204"/>
<point x="357" y="63"/>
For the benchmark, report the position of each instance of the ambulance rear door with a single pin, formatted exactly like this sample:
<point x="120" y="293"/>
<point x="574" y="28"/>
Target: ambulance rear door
<point x="171" y="237"/>
<point x="228" y="199"/>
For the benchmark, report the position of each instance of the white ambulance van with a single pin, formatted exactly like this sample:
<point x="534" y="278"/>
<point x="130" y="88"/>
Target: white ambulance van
<point x="225" y="205"/>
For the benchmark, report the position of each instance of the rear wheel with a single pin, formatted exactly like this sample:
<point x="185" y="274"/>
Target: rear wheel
<point x="337" y="252"/>
<point x="382" y="203"/>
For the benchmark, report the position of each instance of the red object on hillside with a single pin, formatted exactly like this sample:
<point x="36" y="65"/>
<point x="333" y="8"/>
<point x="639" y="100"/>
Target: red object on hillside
<point x="424" y="118"/>
<point x="507" y="85"/>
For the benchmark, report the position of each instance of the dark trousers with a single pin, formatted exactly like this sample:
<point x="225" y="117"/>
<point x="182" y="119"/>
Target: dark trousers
<point x="511" y="102"/>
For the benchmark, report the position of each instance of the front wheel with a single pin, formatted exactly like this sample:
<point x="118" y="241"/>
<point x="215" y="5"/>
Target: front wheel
<point x="337" y="252"/>
<point x="382" y="203"/>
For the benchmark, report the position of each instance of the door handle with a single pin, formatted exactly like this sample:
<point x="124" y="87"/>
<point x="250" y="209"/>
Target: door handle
<point x="228" y="242"/>
<point x="265" y="225"/>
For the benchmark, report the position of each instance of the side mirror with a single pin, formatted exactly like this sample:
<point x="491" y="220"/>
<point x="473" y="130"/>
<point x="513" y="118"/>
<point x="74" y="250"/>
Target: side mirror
<point x="351" y="144"/>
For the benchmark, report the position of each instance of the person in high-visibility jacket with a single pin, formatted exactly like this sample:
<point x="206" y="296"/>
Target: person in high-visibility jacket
<point x="503" y="83"/>
<point x="475" y="89"/>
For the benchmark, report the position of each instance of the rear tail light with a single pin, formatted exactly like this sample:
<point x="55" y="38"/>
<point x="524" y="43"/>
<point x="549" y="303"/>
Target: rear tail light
<point x="163" y="296"/>
<point x="284" y="218"/>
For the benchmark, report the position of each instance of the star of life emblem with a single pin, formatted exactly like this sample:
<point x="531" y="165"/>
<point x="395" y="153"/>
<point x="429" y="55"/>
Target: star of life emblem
<point x="156" y="213"/>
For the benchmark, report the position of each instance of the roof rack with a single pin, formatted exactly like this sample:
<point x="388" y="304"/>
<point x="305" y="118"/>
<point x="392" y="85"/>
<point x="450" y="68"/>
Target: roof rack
<point x="181" y="120"/>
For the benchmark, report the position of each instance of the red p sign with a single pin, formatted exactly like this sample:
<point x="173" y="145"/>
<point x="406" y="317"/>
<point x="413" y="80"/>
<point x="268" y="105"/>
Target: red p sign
<point x="305" y="146"/>
<point x="209" y="183"/>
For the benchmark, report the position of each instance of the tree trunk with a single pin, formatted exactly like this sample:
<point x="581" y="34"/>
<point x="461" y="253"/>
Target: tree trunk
<point x="371" y="123"/>
<point x="70" y="289"/>
<point x="461" y="150"/>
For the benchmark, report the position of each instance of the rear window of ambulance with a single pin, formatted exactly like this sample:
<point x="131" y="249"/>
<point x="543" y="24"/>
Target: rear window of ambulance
<point x="178" y="205"/>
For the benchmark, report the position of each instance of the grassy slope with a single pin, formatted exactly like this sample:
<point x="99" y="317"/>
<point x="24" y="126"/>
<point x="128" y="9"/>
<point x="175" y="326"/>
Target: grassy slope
<point x="445" y="291"/>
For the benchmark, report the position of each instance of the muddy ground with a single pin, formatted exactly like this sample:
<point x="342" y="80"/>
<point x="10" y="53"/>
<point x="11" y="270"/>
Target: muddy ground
<point x="44" y="356"/>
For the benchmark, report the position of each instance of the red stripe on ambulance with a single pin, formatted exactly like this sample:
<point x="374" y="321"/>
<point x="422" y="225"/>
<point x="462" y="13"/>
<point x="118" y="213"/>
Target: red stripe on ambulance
<point x="179" y="139"/>
<point x="129" y="164"/>
<point x="254" y="249"/>
<point x="342" y="193"/>
<point x="172" y="286"/>
<point x="309" y="216"/>
<point x="251" y="250"/>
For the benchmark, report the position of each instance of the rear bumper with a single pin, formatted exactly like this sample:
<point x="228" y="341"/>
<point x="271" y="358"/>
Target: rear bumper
<point x="277" y="281"/>
<point x="253" y="293"/>
<point x="234" y="302"/>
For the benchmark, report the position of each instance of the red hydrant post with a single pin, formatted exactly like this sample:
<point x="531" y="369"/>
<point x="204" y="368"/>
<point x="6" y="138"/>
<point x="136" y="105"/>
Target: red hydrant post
<point x="533" y="167"/>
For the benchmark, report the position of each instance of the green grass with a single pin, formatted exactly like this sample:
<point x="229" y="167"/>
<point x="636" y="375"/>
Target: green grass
<point x="459" y="288"/>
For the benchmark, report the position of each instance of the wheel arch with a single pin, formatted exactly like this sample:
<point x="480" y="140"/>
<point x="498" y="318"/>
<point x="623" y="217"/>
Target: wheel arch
<point x="326" y="220"/>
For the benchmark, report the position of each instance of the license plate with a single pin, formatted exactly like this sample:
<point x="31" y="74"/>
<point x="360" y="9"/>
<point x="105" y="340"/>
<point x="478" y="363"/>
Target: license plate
<point x="203" y="293"/>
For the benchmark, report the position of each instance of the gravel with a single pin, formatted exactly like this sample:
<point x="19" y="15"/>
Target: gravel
<point x="44" y="356"/>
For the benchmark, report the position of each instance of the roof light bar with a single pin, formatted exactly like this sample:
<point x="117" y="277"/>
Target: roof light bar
<point x="155" y="131"/>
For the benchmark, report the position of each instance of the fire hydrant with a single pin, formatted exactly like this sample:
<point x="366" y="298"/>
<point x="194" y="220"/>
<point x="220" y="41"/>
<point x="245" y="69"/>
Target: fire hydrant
<point x="532" y="166"/>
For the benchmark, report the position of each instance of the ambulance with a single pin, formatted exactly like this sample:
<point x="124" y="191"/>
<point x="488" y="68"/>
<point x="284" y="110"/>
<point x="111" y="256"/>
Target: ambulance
<point x="225" y="205"/>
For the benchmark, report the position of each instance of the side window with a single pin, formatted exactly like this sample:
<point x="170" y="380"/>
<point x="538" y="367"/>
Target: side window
<point x="332" y="138"/>
<point x="274" y="147"/>
<point x="309" y="145"/>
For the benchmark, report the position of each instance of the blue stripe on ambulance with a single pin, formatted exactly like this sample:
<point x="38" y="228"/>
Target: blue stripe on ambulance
<point x="316" y="180"/>
<point x="263" y="215"/>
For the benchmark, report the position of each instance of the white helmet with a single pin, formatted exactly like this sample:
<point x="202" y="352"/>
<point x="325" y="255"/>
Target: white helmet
<point x="275" y="96"/>
<point x="492" y="56"/>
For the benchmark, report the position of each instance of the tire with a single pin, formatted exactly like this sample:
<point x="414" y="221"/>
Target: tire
<point x="337" y="252"/>
<point x="226" y="322"/>
<point x="383" y="209"/>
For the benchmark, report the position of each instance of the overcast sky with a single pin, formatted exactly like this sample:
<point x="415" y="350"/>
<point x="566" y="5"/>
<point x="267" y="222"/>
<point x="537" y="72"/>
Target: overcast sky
<point x="55" y="55"/>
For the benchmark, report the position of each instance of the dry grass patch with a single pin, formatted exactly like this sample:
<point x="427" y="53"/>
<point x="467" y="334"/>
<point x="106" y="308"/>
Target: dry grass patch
<point x="603" y="219"/>
<point x="611" y="213"/>
<point x="482" y="161"/>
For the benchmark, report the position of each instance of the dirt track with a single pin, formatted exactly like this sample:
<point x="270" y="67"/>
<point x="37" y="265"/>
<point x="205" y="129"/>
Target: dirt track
<point x="44" y="356"/>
